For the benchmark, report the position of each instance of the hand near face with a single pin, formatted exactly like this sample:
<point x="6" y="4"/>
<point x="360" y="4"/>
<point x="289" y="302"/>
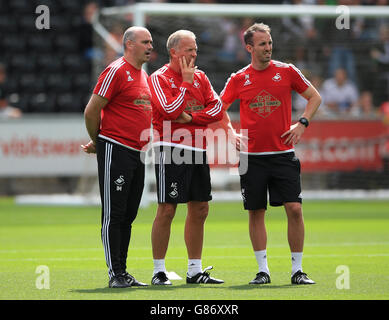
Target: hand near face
<point x="187" y="70"/>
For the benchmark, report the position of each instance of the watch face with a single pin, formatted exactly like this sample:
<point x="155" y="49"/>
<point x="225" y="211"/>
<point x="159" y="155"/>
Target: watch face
<point x="304" y="121"/>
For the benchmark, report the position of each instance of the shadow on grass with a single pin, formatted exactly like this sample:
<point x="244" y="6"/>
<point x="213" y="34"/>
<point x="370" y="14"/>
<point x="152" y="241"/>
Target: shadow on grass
<point x="148" y="288"/>
<point x="182" y="286"/>
<point x="263" y="287"/>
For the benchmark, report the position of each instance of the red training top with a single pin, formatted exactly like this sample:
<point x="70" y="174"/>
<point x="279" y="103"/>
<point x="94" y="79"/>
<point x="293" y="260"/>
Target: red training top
<point x="171" y="96"/>
<point x="126" y="119"/>
<point x="265" y="103"/>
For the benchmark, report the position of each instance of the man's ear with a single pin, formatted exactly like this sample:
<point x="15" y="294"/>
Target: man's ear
<point x="249" y="48"/>
<point x="129" y="44"/>
<point x="173" y="52"/>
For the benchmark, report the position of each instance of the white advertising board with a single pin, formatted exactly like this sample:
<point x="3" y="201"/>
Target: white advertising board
<point x="45" y="146"/>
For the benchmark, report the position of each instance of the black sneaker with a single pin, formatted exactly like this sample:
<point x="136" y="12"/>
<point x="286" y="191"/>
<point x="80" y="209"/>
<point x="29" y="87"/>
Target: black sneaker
<point x="132" y="281"/>
<point x="118" y="281"/>
<point x="261" y="278"/>
<point x="161" y="279"/>
<point x="301" y="278"/>
<point x="203" y="277"/>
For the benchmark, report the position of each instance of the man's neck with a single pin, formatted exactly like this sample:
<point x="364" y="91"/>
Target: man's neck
<point x="132" y="61"/>
<point x="259" y="65"/>
<point x="175" y="67"/>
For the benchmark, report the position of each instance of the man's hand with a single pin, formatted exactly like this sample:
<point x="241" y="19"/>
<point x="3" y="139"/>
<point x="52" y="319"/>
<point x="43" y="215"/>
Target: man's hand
<point x="239" y="141"/>
<point x="183" y="118"/>
<point x="293" y="135"/>
<point x="90" y="147"/>
<point x="187" y="71"/>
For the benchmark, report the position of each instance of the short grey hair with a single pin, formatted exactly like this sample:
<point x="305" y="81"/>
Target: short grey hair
<point x="175" y="38"/>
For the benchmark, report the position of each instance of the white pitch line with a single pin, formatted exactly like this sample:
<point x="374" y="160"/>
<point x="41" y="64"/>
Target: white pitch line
<point x="369" y="255"/>
<point x="342" y="244"/>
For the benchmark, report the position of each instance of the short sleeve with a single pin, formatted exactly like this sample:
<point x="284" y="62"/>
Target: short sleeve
<point x="108" y="83"/>
<point x="298" y="81"/>
<point x="229" y="94"/>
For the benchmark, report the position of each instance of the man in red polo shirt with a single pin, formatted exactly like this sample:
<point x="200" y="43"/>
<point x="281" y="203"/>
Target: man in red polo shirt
<point x="117" y="114"/>
<point x="264" y="88"/>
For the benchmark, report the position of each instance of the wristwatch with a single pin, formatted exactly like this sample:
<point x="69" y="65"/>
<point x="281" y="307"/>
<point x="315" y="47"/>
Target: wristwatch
<point x="304" y="121"/>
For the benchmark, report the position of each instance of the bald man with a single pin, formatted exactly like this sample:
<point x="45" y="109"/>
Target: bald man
<point x="117" y="113"/>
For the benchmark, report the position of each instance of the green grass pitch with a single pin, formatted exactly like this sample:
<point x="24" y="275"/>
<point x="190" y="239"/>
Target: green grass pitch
<point x="346" y="253"/>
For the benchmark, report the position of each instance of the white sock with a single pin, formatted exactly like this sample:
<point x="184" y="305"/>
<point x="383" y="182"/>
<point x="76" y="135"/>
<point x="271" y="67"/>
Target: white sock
<point x="194" y="267"/>
<point x="159" y="265"/>
<point x="297" y="260"/>
<point x="261" y="257"/>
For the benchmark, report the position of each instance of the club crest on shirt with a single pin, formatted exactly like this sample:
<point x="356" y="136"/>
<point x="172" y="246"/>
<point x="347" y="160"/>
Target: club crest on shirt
<point x="264" y="104"/>
<point x="196" y="84"/>
<point x="277" y="77"/>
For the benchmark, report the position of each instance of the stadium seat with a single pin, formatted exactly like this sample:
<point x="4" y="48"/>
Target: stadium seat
<point x="49" y="63"/>
<point x="40" y="43"/>
<point x="12" y="83"/>
<point x="68" y="102"/>
<point x="31" y="83"/>
<point x="57" y="82"/>
<point x="23" y="101"/>
<point x="82" y="83"/>
<point x="13" y="43"/>
<point x="75" y="63"/>
<point x="8" y="23"/>
<point x="72" y="6"/>
<point x="22" y="63"/>
<point x="26" y="22"/>
<point x="42" y="102"/>
<point x="66" y="44"/>
<point x="22" y="6"/>
<point x="61" y="24"/>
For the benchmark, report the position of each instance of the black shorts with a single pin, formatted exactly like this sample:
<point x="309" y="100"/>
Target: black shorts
<point x="277" y="174"/>
<point x="182" y="175"/>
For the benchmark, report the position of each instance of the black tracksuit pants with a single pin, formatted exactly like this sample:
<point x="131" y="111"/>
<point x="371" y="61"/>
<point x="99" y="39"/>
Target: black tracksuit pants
<point x="121" y="178"/>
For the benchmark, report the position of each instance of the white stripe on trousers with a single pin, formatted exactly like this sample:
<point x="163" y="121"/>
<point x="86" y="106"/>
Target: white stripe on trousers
<point x="107" y="208"/>
<point x="162" y="176"/>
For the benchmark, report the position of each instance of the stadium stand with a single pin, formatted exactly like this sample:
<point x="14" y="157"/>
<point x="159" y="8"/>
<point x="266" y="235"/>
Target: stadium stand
<point x="56" y="64"/>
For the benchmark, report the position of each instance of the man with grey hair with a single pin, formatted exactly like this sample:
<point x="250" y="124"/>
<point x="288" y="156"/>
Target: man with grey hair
<point x="118" y="112"/>
<point x="184" y="103"/>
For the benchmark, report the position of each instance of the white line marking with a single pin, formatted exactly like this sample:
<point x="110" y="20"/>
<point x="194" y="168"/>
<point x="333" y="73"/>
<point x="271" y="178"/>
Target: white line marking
<point x="286" y="256"/>
<point x="173" y="276"/>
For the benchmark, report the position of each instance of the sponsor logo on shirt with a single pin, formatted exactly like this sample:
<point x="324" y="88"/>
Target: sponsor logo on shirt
<point x="171" y="80"/>
<point x="264" y="104"/>
<point x="129" y="78"/>
<point x="247" y="78"/>
<point x="193" y="105"/>
<point x="143" y="101"/>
